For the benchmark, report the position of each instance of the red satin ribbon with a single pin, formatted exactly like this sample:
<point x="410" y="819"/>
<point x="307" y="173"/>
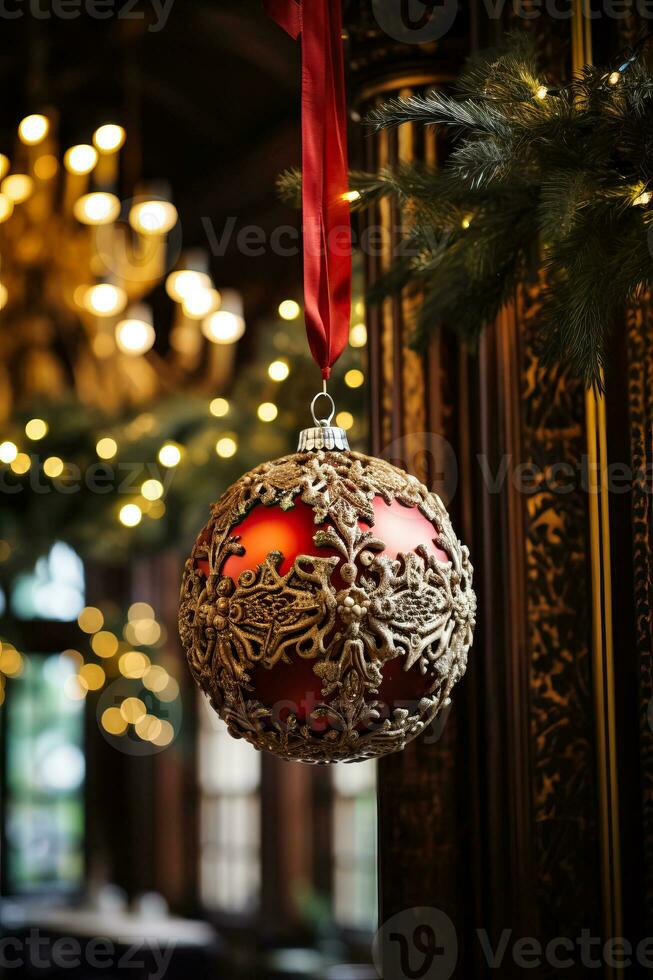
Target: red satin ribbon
<point x="326" y="221"/>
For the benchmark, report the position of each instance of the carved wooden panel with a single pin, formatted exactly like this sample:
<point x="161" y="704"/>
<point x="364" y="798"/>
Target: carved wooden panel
<point x="639" y="331"/>
<point x="558" y="600"/>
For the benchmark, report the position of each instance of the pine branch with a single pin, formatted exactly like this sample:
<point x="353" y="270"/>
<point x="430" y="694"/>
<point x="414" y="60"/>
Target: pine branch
<point x="566" y="171"/>
<point x="440" y="109"/>
<point x="371" y="187"/>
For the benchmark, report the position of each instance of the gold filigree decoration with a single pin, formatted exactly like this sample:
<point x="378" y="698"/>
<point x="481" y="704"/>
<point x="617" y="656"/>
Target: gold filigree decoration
<point x="376" y="609"/>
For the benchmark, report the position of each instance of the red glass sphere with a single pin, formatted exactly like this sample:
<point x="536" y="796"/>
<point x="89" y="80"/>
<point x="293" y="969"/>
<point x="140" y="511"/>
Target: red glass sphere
<point x="294" y="686"/>
<point x="327" y="607"/>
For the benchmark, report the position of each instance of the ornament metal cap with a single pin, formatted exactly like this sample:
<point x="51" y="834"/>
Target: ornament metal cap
<point x="323" y="435"/>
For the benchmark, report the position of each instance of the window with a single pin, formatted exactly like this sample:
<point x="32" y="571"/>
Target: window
<point x="230" y="832"/>
<point x="54" y="590"/>
<point x="354" y="845"/>
<point x="44" y="780"/>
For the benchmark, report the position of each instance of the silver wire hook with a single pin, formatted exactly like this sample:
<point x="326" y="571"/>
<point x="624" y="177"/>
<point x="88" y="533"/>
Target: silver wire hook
<point x="324" y="422"/>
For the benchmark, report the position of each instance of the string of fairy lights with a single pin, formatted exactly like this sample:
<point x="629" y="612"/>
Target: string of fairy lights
<point x="149" y="501"/>
<point x="110" y="656"/>
<point x="639" y="195"/>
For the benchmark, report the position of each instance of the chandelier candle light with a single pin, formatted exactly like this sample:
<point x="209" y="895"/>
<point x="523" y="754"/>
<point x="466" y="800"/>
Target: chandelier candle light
<point x="327" y="606"/>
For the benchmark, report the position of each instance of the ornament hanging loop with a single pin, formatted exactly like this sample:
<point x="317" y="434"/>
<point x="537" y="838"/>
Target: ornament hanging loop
<point x="324" y="422"/>
<point x="323" y="435"/>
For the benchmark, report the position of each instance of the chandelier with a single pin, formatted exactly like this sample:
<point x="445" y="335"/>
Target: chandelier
<point x="78" y="266"/>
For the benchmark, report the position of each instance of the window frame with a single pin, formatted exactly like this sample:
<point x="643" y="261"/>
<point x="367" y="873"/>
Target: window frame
<point x="39" y="638"/>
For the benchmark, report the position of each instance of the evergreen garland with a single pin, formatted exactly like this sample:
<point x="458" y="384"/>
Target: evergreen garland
<point x="564" y="174"/>
<point x="81" y="507"/>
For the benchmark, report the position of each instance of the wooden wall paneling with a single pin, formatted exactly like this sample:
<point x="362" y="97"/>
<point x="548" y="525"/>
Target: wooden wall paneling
<point x="565" y="839"/>
<point x="520" y="797"/>
<point x="639" y="353"/>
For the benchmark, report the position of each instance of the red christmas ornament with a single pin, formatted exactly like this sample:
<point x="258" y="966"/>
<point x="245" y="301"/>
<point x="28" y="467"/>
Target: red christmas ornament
<point x="327" y="607"/>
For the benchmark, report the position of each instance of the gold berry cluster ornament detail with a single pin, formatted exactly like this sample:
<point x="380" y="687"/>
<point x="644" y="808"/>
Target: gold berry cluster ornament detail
<point x="327" y="606"/>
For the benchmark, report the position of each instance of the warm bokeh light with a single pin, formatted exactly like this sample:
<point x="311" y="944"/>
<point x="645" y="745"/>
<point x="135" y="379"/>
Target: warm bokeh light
<point x="219" y="407"/>
<point x="6" y="207"/>
<point x="201" y="303"/>
<point x="98" y="208"/>
<point x="93" y="676"/>
<point x="105" y="299"/>
<point x="53" y="467"/>
<point x="153" y="217"/>
<point x="90" y="620"/>
<point x="109" y="138"/>
<point x="8" y="451"/>
<point x="170" y="692"/>
<point x="113" y="721"/>
<point x="4" y="295"/>
<point x="21" y="464"/>
<point x="80" y="159"/>
<point x="354" y="378"/>
<point x="74" y="657"/>
<point x="345" y="420"/>
<point x="165" y="736"/>
<point x="135" y="337"/>
<point x="184" y="283"/>
<point x="5" y="165"/>
<point x="36" y="429"/>
<point x="152" y="489"/>
<point x="358" y="335"/>
<point x="46" y="166"/>
<point x="279" y="370"/>
<point x="33" y="129"/>
<point x="289" y="309"/>
<point x="156" y="510"/>
<point x="148" y="728"/>
<point x="267" y="412"/>
<point x="133" y="664"/>
<point x="226" y="447"/>
<point x="103" y="345"/>
<point x="156" y="679"/>
<point x="105" y="644"/>
<point x="223" y="327"/>
<point x="132" y="710"/>
<point x="169" y="455"/>
<point x="106" y="448"/>
<point x="146" y="631"/>
<point x="17" y="187"/>
<point x="140" y="610"/>
<point x="130" y="515"/>
<point x="11" y="661"/>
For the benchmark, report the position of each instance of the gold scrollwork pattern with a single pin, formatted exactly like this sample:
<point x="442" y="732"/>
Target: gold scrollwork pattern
<point x="639" y="321"/>
<point x="349" y="625"/>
